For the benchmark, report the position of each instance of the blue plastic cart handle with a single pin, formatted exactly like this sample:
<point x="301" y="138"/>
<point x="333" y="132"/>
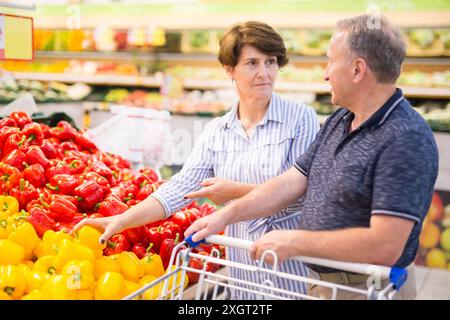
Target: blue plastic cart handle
<point x="191" y="243"/>
<point x="398" y="277"/>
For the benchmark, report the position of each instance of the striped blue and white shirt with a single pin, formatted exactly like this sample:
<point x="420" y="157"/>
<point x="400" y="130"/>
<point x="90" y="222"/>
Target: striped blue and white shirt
<point x="224" y="150"/>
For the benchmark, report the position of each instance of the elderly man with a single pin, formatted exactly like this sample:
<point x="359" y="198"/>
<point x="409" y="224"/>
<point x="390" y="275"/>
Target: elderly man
<point x="368" y="177"/>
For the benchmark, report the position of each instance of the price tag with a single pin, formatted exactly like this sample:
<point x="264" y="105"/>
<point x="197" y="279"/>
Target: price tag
<point x="16" y="38"/>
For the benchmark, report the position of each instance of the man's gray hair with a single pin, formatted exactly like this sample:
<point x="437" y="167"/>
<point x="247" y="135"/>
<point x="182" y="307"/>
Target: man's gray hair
<point x="380" y="45"/>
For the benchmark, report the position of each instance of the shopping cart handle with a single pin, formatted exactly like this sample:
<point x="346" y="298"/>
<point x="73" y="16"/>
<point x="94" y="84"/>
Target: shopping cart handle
<point x="191" y="243"/>
<point x="398" y="277"/>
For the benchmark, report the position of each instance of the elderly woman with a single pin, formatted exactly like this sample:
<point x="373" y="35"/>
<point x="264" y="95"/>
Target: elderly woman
<point x="258" y="139"/>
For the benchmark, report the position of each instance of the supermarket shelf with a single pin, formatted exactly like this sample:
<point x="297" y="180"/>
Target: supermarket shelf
<point x="113" y="80"/>
<point x="151" y="82"/>
<point x="205" y="57"/>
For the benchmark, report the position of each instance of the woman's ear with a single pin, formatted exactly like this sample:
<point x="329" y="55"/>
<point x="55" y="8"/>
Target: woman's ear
<point x="229" y="70"/>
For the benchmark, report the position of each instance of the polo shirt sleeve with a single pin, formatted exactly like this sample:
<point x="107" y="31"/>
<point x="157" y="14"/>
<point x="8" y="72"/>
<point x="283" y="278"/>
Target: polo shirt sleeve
<point x="404" y="177"/>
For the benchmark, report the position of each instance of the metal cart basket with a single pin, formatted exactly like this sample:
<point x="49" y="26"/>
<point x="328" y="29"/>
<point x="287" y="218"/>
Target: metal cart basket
<point x="211" y="285"/>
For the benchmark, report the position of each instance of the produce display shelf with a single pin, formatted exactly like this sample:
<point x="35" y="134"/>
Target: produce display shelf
<point x="151" y="82"/>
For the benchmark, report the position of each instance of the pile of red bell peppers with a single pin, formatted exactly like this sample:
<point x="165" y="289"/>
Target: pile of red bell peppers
<point x="61" y="177"/>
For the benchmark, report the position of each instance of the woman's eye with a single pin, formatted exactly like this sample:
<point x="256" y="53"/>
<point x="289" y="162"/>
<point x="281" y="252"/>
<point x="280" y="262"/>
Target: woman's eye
<point x="251" y="63"/>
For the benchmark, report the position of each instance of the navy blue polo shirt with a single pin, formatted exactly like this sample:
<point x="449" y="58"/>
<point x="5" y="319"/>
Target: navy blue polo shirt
<point x="388" y="166"/>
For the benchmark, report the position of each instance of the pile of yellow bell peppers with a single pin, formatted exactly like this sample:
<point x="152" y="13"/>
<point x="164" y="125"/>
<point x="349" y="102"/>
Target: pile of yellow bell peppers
<point x="61" y="266"/>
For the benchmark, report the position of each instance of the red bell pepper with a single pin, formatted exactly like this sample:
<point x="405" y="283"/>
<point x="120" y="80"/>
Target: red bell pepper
<point x="139" y="250"/>
<point x="169" y="227"/>
<point x="63" y="183"/>
<point x="89" y="193"/>
<point x="63" y="131"/>
<point x="153" y="235"/>
<point x="102" y="181"/>
<point x="7" y="122"/>
<point x="10" y="177"/>
<point x="194" y="263"/>
<point x="125" y="175"/>
<point x="60" y="208"/>
<point x="33" y="132"/>
<point x="136" y="235"/>
<point x="5" y="132"/>
<point x="21" y="118"/>
<point x="100" y="168"/>
<point x="132" y="202"/>
<point x="141" y="179"/>
<point x="13" y="142"/>
<point x="145" y="191"/>
<point x="150" y="173"/>
<point x="41" y="221"/>
<point x="130" y="191"/>
<point x="24" y="193"/>
<point x="111" y="206"/>
<point x="74" y="154"/>
<point x="166" y="249"/>
<point x="117" y="244"/>
<point x="36" y="155"/>
<point x="56" y="167"/>
<point x="45" y="130"/>
<point x="49" y="149"/>
<point x="35" y="174"/>
<point x="67" y="146"/>
<point x="84" y="143"/>
<point x="15" y="158"/>
<point x="181" y="220"/>
<point x="67" y="226"/>
<point x="76" y="165"/>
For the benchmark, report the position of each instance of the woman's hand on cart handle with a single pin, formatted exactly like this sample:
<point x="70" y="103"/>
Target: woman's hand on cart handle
<point x="206" y="226"/>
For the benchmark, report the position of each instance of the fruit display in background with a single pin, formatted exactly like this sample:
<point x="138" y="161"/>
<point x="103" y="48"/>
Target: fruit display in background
<point x="434" y="240"/>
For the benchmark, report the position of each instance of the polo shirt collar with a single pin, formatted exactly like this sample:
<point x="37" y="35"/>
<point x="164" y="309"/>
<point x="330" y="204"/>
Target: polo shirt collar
<point x="382" y="114"/>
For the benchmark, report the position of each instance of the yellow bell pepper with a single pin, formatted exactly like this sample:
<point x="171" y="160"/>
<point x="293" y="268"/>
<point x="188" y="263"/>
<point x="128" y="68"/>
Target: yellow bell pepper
<point x="153" y="265"/>
<point x="12" y="281"/>
<point x="85" y="295"/>
<point x="70" y="250"/>
<point x="58" y="288"/>
<point x="6" y="226"/>
<point x="35" y="295"/>
<point x="51" y="241"/>
<point x="9" y="205"/>
<point x="131" y="287"/>
<point x="29" y="264"/>
<point x="80" y="274"/>
<point x="110" y="286"/>
<point x="38" y="251"/>
<point x="130" y="266"/>
<point x="178" y="279"/>
<point x="35" y="280"/>
<point x="105" y="264"/>
<point x="153" y="292"/>
<point x="89" y="237"/>
<point x="4" y="296"/>
<point x="25" y="236"/>
<point x="45" y="264"/>
<point x="10" y="252"/>
<point x="19" y="218"/>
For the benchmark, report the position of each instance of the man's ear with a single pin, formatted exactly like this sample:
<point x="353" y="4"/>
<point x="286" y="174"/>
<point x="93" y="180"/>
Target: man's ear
<point x="359" y="69"/>
<point x="229" y="70"/>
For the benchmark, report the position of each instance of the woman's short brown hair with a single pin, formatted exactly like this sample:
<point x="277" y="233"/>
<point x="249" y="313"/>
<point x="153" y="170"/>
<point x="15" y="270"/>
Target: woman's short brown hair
<point x="256" y="34"/>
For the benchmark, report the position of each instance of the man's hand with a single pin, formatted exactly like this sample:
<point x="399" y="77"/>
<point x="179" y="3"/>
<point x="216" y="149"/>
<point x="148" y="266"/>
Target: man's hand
<point x="279" y="241"/>
<point x="208" y="225"/>
<point x="218" y="190"/>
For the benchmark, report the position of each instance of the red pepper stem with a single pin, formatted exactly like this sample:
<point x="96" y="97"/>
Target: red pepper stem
<point x="22" y="184"/>
<point x="177" y="238"/>
<point x="25" y="164"/>
<point x="31" y="137"/>
<point x="41" y="200"/>
<point x="24" y="138"/>
<point x="54" y="188"/>
<point x="73" y="164"/>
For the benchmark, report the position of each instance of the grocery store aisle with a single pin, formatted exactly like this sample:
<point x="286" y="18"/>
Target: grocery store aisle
<point x="432" y="284"/>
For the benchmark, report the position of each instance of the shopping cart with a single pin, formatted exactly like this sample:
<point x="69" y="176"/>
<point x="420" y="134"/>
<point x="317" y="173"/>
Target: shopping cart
<point x="211" y="285"/>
